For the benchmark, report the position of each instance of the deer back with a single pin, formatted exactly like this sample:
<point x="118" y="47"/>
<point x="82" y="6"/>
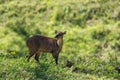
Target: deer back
<point x="43" y="44"/>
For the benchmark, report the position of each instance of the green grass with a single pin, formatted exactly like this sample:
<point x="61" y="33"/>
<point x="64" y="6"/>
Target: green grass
<point x="91" y="42"/>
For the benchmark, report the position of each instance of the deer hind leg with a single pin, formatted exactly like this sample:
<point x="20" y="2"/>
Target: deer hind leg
<point x="37" y="57"/>
<point x="30" y="55"/>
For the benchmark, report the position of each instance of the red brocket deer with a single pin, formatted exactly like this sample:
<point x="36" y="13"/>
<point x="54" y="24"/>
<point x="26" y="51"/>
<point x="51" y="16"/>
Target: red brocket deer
<point x="38" y="44"/>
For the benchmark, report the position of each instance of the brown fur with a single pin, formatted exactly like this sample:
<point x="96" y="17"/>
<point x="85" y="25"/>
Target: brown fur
<point x="37" y="44"/>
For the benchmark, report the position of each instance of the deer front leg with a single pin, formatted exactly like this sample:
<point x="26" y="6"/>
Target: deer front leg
<point x="55" y="56"/>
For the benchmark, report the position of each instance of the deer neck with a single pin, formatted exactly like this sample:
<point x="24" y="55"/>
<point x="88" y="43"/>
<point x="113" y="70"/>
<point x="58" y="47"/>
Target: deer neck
<point x="60" y="42"/>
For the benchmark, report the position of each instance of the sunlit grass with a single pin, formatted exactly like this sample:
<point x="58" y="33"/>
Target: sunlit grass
<point x="91" y="41"/>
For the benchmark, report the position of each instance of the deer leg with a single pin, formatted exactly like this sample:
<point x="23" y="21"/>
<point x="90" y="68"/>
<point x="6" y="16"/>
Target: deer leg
<point x="56" y="60"/>
<point x="30" y="55"/>
<point x="37" y="57"/>
<point x="55" y="56"/>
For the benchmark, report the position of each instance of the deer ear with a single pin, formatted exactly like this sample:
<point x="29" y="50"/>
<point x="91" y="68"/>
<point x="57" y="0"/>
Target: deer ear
<point x="64" y="32"/>
<point x="56" y="31"/>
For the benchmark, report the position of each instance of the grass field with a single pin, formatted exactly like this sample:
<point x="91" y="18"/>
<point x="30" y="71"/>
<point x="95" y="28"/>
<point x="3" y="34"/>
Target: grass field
<point x="92" y="41"/>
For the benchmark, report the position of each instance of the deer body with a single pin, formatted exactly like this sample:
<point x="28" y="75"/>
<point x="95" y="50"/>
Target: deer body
<point x="37" y="44"/>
